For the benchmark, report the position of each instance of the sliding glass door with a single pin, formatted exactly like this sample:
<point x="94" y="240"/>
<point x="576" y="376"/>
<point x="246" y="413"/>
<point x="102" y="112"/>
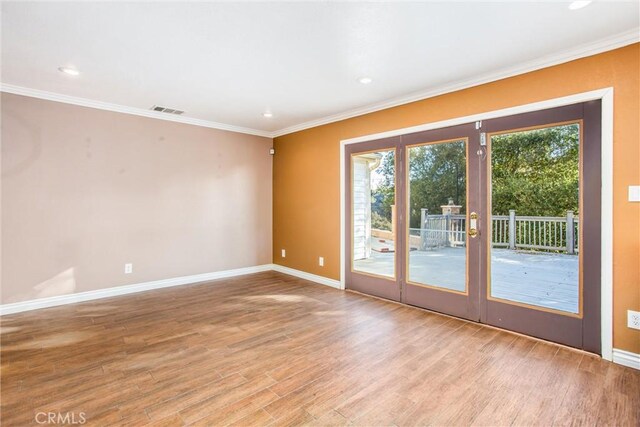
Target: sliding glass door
<point x="441" y="258"/>
<point x="372" y="219"/>
<point x="541" y="202"/>
<point x="495" y="221"/>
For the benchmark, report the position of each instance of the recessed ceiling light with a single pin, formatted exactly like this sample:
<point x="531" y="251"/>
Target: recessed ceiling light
<point x="365" y="80"/>
<point x="267" y="114"/>
<point x="70" y="71"/>
<point x="579" y="4"/>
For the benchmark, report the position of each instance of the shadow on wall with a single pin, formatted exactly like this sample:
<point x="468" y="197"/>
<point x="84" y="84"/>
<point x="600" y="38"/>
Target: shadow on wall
<point x="61" y="284"/>
<point x="31" y="146"/>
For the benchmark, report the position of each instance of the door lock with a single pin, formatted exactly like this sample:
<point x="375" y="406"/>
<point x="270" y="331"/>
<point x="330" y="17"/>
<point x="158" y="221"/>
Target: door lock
<point x="473" y="224"/>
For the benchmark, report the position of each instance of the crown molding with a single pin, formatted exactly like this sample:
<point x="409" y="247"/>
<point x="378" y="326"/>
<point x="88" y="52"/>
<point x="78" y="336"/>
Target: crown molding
<point x="84" y="102"/>
<point x="582" y="51"/>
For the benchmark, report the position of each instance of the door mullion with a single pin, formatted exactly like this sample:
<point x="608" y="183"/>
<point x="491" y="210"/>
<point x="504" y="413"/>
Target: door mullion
<point x="401" y="217"/>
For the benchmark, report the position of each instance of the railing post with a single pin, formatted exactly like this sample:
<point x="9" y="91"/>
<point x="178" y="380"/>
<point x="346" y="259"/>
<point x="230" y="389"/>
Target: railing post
<point x="447" y="230"/>
<point x="512" y="229"/>
<point x="423" y="234"/>
<point x="569" y="233"/>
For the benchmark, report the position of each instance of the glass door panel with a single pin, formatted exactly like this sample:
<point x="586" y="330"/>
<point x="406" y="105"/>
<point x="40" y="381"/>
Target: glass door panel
<point x="535" y="210"/>
<point x="372" y="244"/>
<point x="495" y="219"/>
<point x="441" y="251"/>
<point x="373" y="213"/>
<point x="437" y="215"/>
<point x="542" y="204"/>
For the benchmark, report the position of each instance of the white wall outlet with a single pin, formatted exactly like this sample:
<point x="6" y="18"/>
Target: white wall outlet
<point x="321" y="261"/>
<point x="128" y="268"/>
<point x="633" y="319"/>
<point x="284" y="253"/>
<point x="634" y="193"/>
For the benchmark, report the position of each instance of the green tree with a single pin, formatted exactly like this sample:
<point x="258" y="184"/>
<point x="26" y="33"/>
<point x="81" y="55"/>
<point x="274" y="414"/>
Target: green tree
<point x="535" y="172"/>
<point x="437" y="173"/>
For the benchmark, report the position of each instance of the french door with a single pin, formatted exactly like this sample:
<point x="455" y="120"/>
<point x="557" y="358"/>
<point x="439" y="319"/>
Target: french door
<point x="373" y="243"/>
<point x="496" y="222"/>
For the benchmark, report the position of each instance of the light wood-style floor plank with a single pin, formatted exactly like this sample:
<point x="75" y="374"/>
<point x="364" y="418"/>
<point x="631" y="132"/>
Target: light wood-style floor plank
<point x="270" y="349"/>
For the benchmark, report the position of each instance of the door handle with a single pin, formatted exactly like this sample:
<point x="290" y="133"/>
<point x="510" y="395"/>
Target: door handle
<point x="473" y="224"/>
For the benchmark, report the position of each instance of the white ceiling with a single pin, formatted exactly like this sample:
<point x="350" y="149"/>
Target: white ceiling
<point x="230" y="62"/>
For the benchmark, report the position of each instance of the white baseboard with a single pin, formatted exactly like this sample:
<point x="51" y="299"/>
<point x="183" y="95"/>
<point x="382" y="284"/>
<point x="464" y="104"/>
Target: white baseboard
<point x="128" y="289"/>
<point x="307" y="276"/>
<point x="621" y="357"/>
<point x="19" y="307"/>
<point x="626" y="358"/>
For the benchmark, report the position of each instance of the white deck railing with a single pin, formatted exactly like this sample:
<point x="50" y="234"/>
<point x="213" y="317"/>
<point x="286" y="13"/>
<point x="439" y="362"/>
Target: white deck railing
<point x="554" y="234"/>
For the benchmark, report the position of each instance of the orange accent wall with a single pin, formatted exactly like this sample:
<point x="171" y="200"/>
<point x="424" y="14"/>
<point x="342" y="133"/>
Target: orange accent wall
<point x="306" y="178"/>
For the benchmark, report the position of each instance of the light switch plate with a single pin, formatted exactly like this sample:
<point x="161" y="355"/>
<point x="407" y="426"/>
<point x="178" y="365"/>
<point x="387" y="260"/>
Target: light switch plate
<point x="634" y="193"/>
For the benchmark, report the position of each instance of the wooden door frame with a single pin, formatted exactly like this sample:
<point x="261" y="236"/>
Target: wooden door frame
<point x="581" y="329"/>
<point x="361" y="281"/>
<point x="606" y="249"/>
<point x="437" y="298"/>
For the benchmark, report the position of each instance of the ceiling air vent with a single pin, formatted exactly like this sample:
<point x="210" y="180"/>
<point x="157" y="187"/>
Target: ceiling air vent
<point x="166" y="110"/>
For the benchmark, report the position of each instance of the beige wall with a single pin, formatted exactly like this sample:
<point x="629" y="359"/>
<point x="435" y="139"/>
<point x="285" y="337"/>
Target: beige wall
<point x="307" y="166"/>
<point x="85" y="191"/>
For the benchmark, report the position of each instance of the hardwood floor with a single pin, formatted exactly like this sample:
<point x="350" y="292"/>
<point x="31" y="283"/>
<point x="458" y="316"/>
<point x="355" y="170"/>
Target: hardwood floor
<point x="270" y="349"/>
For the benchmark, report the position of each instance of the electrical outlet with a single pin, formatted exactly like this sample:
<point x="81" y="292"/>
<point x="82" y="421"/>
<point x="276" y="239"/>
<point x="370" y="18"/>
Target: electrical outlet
<point x="321" y="261"/>
<point x="284" y="253"/>
<point x="128" y="268"/>
<point x="633" y="319"/>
